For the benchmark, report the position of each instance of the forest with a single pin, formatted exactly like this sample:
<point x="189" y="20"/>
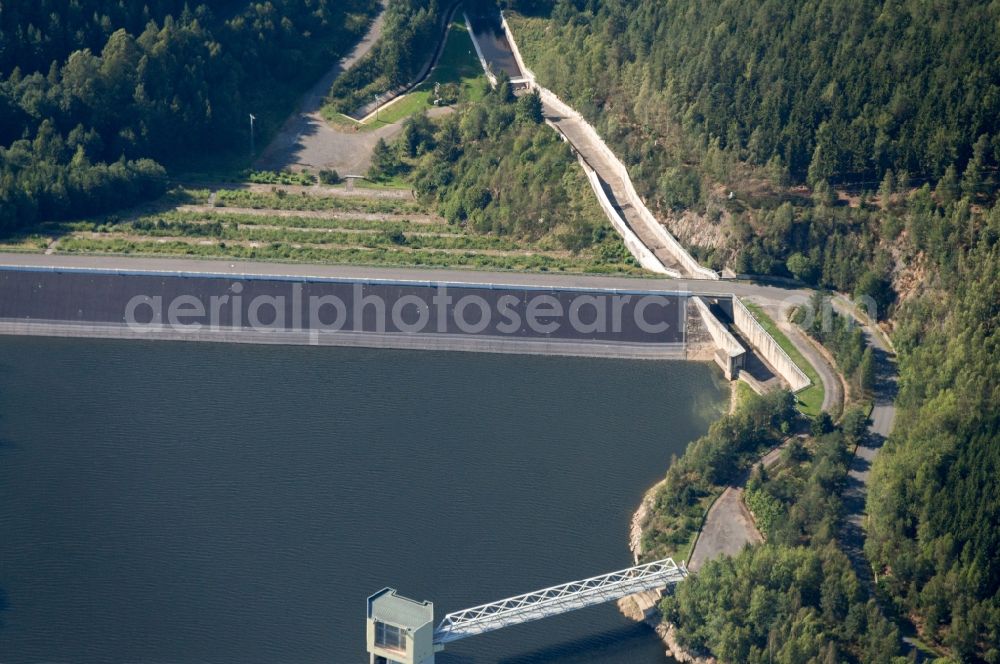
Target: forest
<point x="835" y="90"/>
<point x="410" y="26"/>
<point x="843" y="338"/>
<point x="782" y="604"/>
<point x="495" y="169"/>
<point x="98" y="96"/>
<point x="731" y="446"/>
<point x="861" y="142"/>
<point x="796" y="597"/>
<point x="849" y="146"/>
<point x="934" y="504"/>
<point x="787" y="105"/>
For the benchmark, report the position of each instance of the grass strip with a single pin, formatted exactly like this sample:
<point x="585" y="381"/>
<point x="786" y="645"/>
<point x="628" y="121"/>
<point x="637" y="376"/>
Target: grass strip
<point x="284" y="251"/>
<point x="810" y="400"/>
<point x="284" y="201"/>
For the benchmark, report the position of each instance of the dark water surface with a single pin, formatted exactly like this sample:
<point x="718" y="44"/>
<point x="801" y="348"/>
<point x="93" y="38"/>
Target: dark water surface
<point x="493" y="43"/>
<point x="172" y="502"/>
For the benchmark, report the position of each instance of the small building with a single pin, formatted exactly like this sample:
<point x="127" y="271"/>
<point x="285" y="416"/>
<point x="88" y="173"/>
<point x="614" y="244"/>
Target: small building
<point x="400" y="630"/>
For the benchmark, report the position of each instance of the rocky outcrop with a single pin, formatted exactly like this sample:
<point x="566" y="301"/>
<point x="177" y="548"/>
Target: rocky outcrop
<point x="644" y="607"/>
<point x="668" y="634"/>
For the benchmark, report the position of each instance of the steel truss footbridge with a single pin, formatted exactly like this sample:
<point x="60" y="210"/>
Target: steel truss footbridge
<point x="558" y="599"/>
<point x="388" y="608"/>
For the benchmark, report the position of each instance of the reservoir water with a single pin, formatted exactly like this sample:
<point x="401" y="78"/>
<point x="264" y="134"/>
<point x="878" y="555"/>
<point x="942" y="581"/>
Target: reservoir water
<point x="180" y="502"/>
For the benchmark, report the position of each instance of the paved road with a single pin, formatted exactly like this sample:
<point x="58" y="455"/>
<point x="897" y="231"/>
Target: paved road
<point x="728" y="528"/>
<point x="307" y="140"/>
<point x="833" y="386"/>
<point x="833" y="392"/>
<point x="365" y="113"/>
<point x="543" y="279"/>
<point x="882" y="419"/>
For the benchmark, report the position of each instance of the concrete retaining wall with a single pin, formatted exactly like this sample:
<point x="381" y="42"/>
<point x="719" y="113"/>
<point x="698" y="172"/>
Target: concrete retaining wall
<point x="731" y="354"/>
<point x="677" y="250"/>
<point x="646" y="258"/>
<point x="679" y="253"/>
<point x="530" y="75"/>
<point x="769" y="349"/>
<point x="641" y="252"/>
<point x="471" y="344"/>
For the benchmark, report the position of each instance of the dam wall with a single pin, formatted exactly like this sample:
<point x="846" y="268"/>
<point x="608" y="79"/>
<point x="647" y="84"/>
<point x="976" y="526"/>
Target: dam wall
<point x="769" y="349"/>
<point x="344" y="312"/>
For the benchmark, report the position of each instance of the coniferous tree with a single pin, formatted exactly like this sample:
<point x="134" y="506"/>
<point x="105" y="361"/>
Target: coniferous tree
<point x="385" y="161"/>
<point x="93" y="102"/>
<point x="504" y="89"/>
<point x="866" y="371"/>
<point x="529" y="107"/>
<point x="947" y="190"/>
<point x="887" y="189"/>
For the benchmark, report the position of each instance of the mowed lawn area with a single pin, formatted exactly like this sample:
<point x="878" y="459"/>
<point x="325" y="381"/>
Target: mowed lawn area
<point x="459" y="66"/>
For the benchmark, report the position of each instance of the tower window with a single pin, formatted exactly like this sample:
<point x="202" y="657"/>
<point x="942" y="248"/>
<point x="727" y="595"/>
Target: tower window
<point x="389" y="636"/>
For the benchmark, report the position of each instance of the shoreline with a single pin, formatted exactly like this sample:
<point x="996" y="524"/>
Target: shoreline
<point x="644" y="607"/>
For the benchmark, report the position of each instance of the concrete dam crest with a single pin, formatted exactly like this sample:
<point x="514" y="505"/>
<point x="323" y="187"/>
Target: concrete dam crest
<point x="442" y="315"/>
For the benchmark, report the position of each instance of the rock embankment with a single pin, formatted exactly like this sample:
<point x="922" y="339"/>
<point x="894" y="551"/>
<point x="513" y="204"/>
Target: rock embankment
<point x="644" y="607"/>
